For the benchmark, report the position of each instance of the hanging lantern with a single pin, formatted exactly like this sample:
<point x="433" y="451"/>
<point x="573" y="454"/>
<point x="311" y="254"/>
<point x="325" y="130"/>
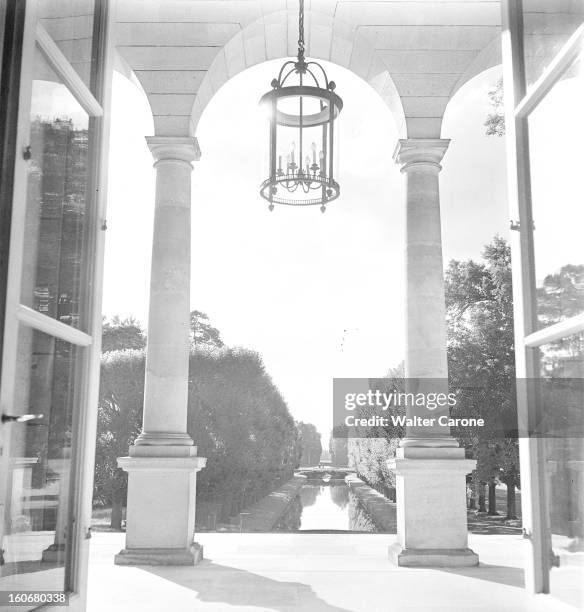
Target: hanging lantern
<point x="303" y="109"/>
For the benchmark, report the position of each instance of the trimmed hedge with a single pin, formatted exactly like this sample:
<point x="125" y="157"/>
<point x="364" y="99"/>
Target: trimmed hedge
<point x="236" y="416"/>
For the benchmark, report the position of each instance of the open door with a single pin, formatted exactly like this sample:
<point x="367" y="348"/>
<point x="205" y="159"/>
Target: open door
<point x="51" y="344"/>
<point x="543" y="61"/>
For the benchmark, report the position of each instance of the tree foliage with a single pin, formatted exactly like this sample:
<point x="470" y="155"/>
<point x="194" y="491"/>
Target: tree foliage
<point x="495" y="121"/>
<point x="241" y="423"/>
<point x="369" y="457"/>
<point x="236" y="416"/>
<point x="202" y="332"/>
<point x="481" y="360"/>
<point x="118" y="334"/>
<point x="118" y="424"/>
<point x="339" y="445"/>
<point x="310" y="444"/>
<point x="368" y="453"/>
<point x="561" y="294"/>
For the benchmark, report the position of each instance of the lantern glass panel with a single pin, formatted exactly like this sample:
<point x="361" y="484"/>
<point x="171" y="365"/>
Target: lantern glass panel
<point x="302" y="164"/>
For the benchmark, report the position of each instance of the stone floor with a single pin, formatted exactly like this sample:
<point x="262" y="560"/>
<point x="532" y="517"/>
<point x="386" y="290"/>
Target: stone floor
<point x="312" y="573"/>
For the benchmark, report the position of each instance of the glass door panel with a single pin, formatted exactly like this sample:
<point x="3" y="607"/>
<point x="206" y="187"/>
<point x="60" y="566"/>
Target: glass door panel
<point x="56" y="206"/>
<point x="562" y="372"/>
<point x="544" y="93"/>
<point x="547" y="25"/>
<point x="36" y="540"/>
<point x="44" y="389"/>
<point x="70" y="24"/>
<point x="556" y="127"/>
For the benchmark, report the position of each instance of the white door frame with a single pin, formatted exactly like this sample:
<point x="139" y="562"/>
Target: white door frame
<point x="520" y="102"/>
<point x="88" y="340"/>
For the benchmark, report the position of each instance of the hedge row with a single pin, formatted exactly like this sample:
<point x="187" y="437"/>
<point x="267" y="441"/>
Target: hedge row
<point x="236" y="416"/>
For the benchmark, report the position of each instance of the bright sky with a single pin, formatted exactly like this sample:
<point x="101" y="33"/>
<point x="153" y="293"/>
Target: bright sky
<point x="317" y="295"/>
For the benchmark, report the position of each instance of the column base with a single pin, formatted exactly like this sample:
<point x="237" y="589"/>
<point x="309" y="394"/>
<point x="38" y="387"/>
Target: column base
<point x="431" y="507"/>
<point x="160" y="556"/>
<point x="160" y="515"/>
<point x="432" y="557"/>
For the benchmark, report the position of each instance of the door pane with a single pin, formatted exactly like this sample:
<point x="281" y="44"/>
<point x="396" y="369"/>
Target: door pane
<point x="37" y="526"/>
<point x="556" y="128"/>
<point x="70" y="24"/>
<point x="57" y="203"/>
<point x="547" y="25"/>
<point x="562" y="371"/>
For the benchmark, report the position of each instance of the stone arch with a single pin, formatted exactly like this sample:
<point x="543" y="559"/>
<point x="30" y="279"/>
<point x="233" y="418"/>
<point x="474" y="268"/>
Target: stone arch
<point x="274" y="37"/>
<point x="488" y="58"/>
<point x="416" y="58"/>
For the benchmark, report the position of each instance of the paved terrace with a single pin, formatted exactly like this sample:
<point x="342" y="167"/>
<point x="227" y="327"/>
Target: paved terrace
<point x="311" y="573"/>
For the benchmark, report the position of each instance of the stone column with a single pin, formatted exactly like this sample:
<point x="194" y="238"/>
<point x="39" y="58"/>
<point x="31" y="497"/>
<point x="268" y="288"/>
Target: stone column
<point x="430" y="467"/>
<point x="163" y="461"/>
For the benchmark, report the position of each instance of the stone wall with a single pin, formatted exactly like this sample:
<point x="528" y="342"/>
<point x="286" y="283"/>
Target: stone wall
<point x="265" y="514"/>
<point x="381" y="510"/>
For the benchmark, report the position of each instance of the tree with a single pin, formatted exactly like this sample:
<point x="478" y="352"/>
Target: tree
<point x="119" y="334"/>
<point x="369" y="452"/>
<point x="118" y="424"/>
<point x="369" y="457"/>
<point x="481" y="366"/>
<point x="495" y="122"/>
<point x="202" y="332"/>
<point x="119" y="409"/>
<point x="241" y="423"/>
<point x="310" y="444"/>
<point x="338" y="445"/>
<point x="236" y="416"/>
<point x="561" y="295"/>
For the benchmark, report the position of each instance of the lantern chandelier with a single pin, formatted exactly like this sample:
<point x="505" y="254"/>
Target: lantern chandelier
<point x="303" y="111"/>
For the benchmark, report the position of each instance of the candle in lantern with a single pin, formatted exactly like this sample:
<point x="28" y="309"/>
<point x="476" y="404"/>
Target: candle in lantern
<point x="279" y="162"/>
<point x="292" y="151"/>
<point x="307" y="161"/>
<point x="313" y="146"/>
<point x="321" y="157"/>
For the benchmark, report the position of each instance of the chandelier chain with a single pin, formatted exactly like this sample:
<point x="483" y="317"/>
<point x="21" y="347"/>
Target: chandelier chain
<point x="301" y="29"/>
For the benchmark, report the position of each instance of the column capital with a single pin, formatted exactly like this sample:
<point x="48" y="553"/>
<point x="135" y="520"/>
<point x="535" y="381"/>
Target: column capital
<point x="417" y="152"/>
<point x="176" y="148"/>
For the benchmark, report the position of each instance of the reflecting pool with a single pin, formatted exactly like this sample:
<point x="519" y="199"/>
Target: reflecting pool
<point x="327" y="506"/>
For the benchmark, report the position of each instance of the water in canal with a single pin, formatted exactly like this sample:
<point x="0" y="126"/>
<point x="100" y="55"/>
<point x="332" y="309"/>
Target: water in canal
<point x="325" y="507"/>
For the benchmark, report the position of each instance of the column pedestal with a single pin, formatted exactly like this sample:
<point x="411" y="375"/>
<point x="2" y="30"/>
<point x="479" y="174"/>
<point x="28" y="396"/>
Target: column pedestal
<point x="431" y="508"/>
<point x="160" y="519"/>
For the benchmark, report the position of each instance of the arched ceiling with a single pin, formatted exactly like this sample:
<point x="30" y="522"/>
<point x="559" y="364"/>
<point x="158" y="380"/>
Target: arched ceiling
<point x="415" y="53"/>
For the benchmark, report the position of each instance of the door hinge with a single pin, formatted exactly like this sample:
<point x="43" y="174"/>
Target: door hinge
<point x="516" y="225"/>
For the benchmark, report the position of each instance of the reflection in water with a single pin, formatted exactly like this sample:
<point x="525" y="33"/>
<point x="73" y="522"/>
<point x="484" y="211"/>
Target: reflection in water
<point x="340" y="495"/>
<point x="308" y="495"/>
<point x="291" y="519"/>
<point x="316" y="509"/>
